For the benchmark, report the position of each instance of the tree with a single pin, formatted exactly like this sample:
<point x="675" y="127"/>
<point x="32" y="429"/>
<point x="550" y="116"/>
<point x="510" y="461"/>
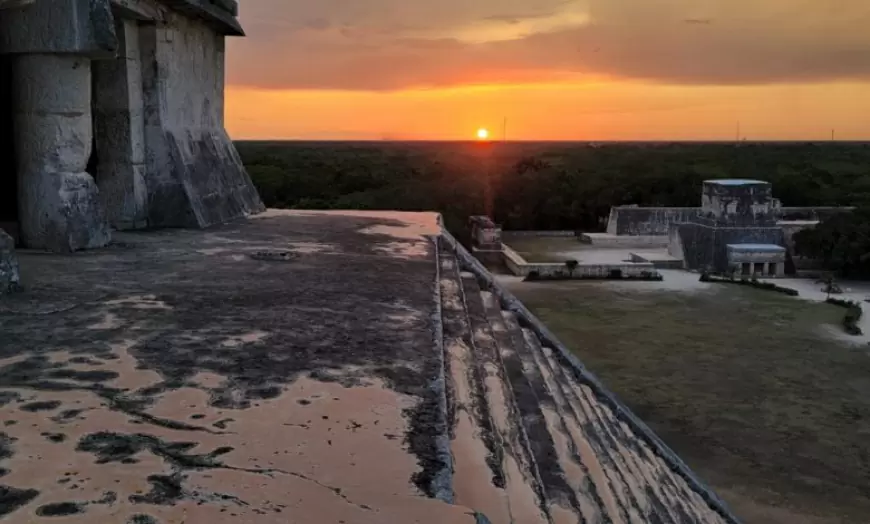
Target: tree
<point x="841" y="243"/>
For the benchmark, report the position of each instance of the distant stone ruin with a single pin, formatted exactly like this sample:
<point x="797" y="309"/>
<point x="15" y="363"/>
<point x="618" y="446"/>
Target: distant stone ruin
<point x="485" y="238"/>
<point x="111" y="117"/>
<point x="740" y="228"/>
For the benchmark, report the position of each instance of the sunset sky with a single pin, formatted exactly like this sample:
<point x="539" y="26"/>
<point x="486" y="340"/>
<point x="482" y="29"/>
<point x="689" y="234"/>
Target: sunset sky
<point x="556" y="69"/>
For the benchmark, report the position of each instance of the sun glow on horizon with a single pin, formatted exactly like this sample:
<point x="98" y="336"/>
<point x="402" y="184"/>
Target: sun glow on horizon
<point x="483" y="134"/>
<point x="598" y="111"/>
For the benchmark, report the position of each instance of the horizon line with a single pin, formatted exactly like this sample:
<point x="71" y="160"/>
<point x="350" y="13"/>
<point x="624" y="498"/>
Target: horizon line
<point x="558" y="141"/>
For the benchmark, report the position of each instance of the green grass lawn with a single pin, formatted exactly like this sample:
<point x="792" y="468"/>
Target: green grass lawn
<point x="743" y="384"/>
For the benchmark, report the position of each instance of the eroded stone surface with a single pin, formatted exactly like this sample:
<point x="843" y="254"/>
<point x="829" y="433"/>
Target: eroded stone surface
<point x="197" y="387"/>
<point x="10" y="279"/>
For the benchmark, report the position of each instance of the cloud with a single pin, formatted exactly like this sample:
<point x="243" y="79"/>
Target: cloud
<point x="400" y="44"/>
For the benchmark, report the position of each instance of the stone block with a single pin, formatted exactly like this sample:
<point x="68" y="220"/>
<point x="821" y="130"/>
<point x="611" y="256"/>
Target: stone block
<point x="61" y="212"/>
<point x="123" y="194"/>
<point x="120" y="137"/>
<point x="12" y="4"/>
<point x="51" y="142"/>
<point x="42" y="74"/>
<point x="10" y="279"/>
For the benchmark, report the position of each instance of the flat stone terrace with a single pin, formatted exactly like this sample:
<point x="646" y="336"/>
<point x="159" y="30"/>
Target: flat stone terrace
<point x="274" y="370"/>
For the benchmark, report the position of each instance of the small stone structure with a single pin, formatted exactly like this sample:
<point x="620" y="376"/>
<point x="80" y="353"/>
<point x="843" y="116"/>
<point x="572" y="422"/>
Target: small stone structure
<point x="111" y="116"/>
<point x="485" y="233"/>
<point x="9" y="277"/>
<point x="627" y="269"/>
<point x="485" y="239"/>
<point x="756" y="260"/>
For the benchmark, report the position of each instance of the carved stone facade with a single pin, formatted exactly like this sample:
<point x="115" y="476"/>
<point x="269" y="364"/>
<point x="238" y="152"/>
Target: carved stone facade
<point x="111" y="117"/>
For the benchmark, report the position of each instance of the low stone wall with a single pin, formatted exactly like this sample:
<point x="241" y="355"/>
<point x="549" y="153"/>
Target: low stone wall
<point x="625" y="241"/>
<point x="520" y="267"/>
<point x="647" y="221"/>
<point x="657" y="263"/>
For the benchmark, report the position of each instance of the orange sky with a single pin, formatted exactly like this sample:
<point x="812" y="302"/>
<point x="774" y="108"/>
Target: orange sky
<point x="556" y="69"/>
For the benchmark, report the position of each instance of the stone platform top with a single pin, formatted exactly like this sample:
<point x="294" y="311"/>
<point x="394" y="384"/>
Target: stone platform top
<point x="268" y="371"/>
<point x="309" y="367"/>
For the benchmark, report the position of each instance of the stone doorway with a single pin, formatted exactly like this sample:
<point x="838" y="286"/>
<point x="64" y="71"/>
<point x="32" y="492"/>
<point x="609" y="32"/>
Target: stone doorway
<point x="8" y="164"/>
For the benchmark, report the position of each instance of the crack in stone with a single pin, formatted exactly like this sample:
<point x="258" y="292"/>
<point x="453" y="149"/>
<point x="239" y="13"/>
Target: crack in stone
<point x="306" y="478"/>
<point x="114" y="447"/>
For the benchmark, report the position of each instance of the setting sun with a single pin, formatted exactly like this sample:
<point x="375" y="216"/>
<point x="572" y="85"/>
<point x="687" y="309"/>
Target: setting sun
<point x="482" y="134"/>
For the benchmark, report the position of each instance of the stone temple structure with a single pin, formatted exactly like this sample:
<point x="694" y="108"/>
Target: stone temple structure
<point x="111" y="117"/>
<point x="735" y="229"/>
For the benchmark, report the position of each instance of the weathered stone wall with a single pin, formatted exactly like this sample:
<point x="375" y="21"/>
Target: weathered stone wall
<point x="195" y="175"/>
<point x="520" y="267"/>
<point x="646" y="221"/>
<point x="705" y="246"/>
<point x="675" y="245"/>
<point x="640" y="221"/>
<point x="790" y="229"/>
<point x="119" y="121"/>
<point x="625" y="241"/>
<point x="59" y="26"/>
<point x="737" y="203"/>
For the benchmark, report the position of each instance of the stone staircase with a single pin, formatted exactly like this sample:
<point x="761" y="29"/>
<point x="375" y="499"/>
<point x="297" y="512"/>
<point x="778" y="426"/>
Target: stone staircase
<point x="531" y="442"/>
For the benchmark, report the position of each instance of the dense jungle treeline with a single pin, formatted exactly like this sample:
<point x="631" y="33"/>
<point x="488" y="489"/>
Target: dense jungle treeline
<point x="566" y="185"/>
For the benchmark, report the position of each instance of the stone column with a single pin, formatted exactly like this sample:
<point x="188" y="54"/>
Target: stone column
<point x="59" y="204"/>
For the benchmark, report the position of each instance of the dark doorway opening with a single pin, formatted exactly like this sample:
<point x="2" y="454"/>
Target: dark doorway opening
<point x="93" y="159"/>
<point x="8" y="164"/>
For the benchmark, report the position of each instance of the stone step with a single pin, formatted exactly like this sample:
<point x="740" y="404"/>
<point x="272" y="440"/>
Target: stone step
<point x="605" y="483"/>
<point x="543" y="424"/>
<point x="632" y="482"/>
<point x="567" y="481"/>
<point x="522" y="482"/>
<point x="478" y="476"/>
